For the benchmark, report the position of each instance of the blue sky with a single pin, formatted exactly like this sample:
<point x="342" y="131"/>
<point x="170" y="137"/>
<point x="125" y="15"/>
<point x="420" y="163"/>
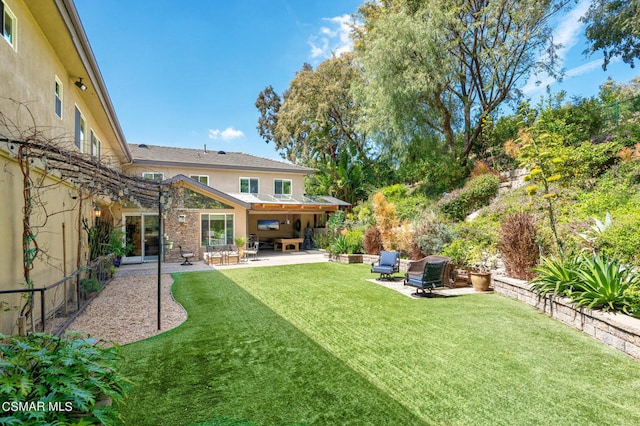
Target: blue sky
<point x="188" y="73"/>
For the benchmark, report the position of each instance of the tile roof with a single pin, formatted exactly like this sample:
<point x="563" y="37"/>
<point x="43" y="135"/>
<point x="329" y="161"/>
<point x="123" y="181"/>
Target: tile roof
<point x="180" y="157"/>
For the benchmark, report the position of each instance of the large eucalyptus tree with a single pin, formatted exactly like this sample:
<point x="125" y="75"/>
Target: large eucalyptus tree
<point x="446" y="65"/>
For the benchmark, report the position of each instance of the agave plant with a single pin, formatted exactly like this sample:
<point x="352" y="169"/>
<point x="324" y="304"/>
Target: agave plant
<point x="555" y="276"/>
<point x="604" y="284"/>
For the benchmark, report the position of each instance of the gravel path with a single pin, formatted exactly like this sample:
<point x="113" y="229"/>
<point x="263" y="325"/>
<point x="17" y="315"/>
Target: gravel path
<point x="126" y="310"/>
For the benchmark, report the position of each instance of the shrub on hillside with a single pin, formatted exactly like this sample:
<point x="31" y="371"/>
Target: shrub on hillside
<point x="477" y="193"/>
<point x="518" y="245"/>
<point x="431" y="234"/>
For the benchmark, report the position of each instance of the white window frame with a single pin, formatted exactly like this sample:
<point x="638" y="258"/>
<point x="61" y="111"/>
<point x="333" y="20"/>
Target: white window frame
<point x="95" y="144"/>
<point x="283" y="195"/>
<point x="12" y="36"/>
<point x="227" y="217"/>
<point x="58" y="97"/>
<point x="153" y="176"/>
<point x="81" y="137"/>
<point x="249" y="179"/>
<point x="199" y="178"/>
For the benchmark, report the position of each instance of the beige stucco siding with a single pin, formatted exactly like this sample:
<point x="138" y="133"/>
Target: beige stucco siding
<point x="56" y="215"/>
<point x="227" y="180"/>
<point x="28" y="75"/>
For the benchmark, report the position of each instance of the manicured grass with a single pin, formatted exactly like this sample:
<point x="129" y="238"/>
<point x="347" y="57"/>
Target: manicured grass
<point x="318" y="344"/>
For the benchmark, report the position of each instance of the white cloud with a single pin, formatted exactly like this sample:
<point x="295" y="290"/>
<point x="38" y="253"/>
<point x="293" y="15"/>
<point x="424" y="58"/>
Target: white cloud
<point x="332" y="39"/>
<point x="567" y="35"/>
<point x="568" y="32"/>
<point x="226" y="135"/>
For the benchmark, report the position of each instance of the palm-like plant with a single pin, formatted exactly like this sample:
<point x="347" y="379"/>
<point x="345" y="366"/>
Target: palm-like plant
<point x="555" y="276"/>
<point x="603" y="284"/>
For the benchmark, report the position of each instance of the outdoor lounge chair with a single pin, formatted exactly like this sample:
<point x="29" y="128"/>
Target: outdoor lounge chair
<point x="433" y="275"/>
<point x="187" y="256"/>
<point x="388" y="264"/>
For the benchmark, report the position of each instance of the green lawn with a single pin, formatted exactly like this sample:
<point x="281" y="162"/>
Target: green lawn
<point x="318" y="344"/>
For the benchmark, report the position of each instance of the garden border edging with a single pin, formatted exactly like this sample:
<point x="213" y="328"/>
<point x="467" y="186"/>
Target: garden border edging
<point x="619" y="331"/>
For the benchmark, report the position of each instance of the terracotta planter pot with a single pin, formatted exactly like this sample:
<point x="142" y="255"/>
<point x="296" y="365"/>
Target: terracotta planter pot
<point x="481" y="281"/>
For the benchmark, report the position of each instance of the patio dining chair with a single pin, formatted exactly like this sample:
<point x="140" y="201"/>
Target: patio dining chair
<point x="253" y="250"/>
<point x="186" y="255"/>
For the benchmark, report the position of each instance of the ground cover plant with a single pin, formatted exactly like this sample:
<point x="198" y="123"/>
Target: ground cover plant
<point x="319" y="344"/>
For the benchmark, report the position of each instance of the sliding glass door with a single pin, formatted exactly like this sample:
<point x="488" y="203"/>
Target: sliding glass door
<point x="143" y="237"/>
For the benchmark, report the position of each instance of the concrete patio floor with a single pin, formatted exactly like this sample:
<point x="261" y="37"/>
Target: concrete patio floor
<point x="265" y="258"/>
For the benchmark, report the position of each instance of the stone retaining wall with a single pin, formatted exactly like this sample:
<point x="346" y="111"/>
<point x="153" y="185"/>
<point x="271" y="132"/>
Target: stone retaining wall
<point x="619" y="331"/>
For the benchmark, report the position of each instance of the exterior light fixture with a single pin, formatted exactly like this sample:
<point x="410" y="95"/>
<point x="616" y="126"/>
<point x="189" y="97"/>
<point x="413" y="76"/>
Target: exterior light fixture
<point x="80" y="84"/>
<point x="97" y="212"/>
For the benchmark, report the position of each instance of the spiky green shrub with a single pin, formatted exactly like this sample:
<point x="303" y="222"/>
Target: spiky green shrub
<point x="603" y="284"/>
<point x="594" y="282"/>
<point x="555" y="276"/>
<point x="338" y="245"/>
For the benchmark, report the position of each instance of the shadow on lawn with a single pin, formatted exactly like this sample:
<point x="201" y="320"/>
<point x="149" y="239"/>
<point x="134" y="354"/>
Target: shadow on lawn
<point x="235" y="358"/>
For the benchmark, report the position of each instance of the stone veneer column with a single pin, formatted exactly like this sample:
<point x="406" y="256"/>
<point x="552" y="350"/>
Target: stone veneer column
<point x="186" y="234"/>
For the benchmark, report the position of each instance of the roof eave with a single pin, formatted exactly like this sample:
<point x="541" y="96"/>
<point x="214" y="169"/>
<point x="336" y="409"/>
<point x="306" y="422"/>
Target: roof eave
<point x="71" y="18"/>
<point x="145" y="162"/>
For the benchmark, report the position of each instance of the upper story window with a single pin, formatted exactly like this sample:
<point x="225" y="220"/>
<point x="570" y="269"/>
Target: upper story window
<point x="58" y="97"/>
<point x="80" y="131"/>
<point x="9" y="24"/>
<point x="96" y="145"/>
<point x="203" y="179"/>
<point x="249" y="185"/>
<point x="282" y="187"/>
<point x="158" y="177"/>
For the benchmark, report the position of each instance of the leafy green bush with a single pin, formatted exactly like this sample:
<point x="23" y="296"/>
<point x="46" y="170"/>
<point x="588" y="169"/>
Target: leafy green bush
<point x="458" y="251"/>
<point x="354" y="242"/>
<point x="394" y="191"/>
<point x="59" y="379"/>
<point x="622" y="238"/>
<point x="336" y="221"/>
<point x="589" y="160"/>
<point x="90" y="285"/>
<point x="431" y="234"/>
<point x="323" y="240"/>
<point x="477" y="193"/>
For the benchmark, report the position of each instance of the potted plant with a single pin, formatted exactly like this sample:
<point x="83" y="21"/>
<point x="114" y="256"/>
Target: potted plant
<point x="458" y="251"/>
<point x="240" y="242"/>
<point x="118" y="246"/>
<point x="480" y="272"/>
